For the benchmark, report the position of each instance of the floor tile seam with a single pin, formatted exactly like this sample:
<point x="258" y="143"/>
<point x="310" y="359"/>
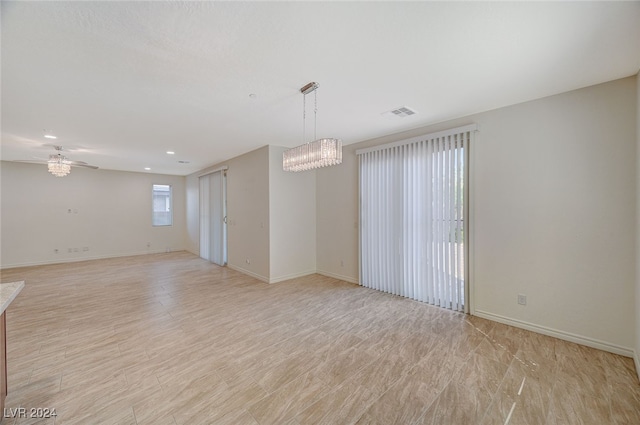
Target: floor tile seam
<point x="247" y="411"/>
<point x="273" y="344"/>
<point x="611" y="378"/>
<point x="333" y="388"/>
<point x="494" y="397"/>
<point x="290" y="415"/>
<point x="383" y="352"/>
<point x="397" y="382"/>
<point x="352" y="380"/>
<point x="282" y="385"/>
<point x="33" y="370"/>
<point x="595" y="395"/>
<point x="13" y="390"/>
<point x="361" y="366"/>
<point x="419" y="420"/>
<point x="512" y="357"/>
<point x="213" y="373"/>
<point x="495" y="400"/>
<point x="611" y="412"/>
<point x="313" y="404"/>
<point x="530" y="363"/>
<point x="551" y="409"/>
<point x="268" y="394"/>
<point x="90" y="378"/>
<point x="135" y="418"/>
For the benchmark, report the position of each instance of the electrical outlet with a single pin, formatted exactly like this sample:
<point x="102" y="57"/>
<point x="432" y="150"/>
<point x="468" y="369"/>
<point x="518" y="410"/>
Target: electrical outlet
<point x="522" y="299"/>
<point x="341" y="263"/>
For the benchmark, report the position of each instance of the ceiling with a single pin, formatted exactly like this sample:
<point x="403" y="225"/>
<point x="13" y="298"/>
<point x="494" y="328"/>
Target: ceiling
<point x="122" y="83"/>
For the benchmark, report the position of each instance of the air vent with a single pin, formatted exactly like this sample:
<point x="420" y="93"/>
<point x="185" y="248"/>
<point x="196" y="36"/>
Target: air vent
<point x="401" y="112"/>
<point x="183" y="162"/>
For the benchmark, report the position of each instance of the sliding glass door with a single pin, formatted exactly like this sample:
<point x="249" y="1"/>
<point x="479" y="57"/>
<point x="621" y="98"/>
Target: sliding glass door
<point x="213" y="217"/>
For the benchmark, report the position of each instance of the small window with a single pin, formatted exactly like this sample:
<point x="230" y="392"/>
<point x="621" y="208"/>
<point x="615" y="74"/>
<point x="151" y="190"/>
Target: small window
<point x="162" y="215"/>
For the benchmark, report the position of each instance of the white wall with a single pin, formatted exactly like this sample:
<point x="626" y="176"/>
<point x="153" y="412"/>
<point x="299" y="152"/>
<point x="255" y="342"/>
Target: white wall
<point x="248" y="213"/>
<point x="554" y="211"/>
<point x="110" y="215"/>
<point x="337" y="218"/>
<point x="292" y="214"/>
<point x="271" y="216"/>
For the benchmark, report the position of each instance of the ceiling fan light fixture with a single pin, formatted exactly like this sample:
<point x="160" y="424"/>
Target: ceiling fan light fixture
<point x="58" y="165"/>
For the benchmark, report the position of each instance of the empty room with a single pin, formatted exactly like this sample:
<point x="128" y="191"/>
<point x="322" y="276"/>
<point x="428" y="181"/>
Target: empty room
<point x="301" y="213"/>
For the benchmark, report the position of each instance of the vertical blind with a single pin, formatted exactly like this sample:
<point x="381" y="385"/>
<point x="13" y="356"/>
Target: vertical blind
<point x="213" y="245"/>
<point x="413" y="217"/>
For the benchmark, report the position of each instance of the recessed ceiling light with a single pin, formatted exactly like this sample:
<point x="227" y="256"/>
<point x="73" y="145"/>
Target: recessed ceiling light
<point x="171" y="153"/>
<point x="253" y="95"/>
<point x="50" y="136"/>
<point x="147" y="168"/>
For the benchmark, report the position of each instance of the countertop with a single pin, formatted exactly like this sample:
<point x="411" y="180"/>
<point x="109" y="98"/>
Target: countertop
<point x="8" y="292"/>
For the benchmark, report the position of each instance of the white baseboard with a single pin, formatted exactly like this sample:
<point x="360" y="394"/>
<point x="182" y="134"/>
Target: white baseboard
<point x="567" y="336"/>
<point x="249" y="273"/>
<point x="290" y="276"/>
<point x="637" y="361"/>
<point x="83" y="258"/>
<point x="338" y="276"/>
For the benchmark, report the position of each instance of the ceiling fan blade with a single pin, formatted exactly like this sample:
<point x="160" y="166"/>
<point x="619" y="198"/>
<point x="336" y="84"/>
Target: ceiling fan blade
<point x="72" y="163"/>
<point x="30" y="161"/>
<point x="59" y="157"/>
<point x="81" y="164"/>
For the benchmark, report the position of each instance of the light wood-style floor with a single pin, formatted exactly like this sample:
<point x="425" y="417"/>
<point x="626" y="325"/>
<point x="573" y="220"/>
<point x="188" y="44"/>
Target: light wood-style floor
<point x="172" y="339"/>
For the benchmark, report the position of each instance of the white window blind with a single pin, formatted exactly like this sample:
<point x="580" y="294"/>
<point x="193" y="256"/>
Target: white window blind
<point x="413" y="217"/>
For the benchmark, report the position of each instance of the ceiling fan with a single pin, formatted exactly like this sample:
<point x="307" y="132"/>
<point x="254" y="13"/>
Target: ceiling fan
<point x="59" y="165"/>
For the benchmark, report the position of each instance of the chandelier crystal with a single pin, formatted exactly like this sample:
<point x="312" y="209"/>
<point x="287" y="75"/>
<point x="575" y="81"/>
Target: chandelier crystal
<point x="316" y="154"/>
<point x="58" y="165"/>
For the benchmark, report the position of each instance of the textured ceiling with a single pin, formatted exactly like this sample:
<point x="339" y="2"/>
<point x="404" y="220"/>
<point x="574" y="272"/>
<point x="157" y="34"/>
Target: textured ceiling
<point x="120" y="83"/>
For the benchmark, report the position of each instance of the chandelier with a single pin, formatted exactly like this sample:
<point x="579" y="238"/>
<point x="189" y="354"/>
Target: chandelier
<point x="58" y="165"/>
<point x="316" y="154"/>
